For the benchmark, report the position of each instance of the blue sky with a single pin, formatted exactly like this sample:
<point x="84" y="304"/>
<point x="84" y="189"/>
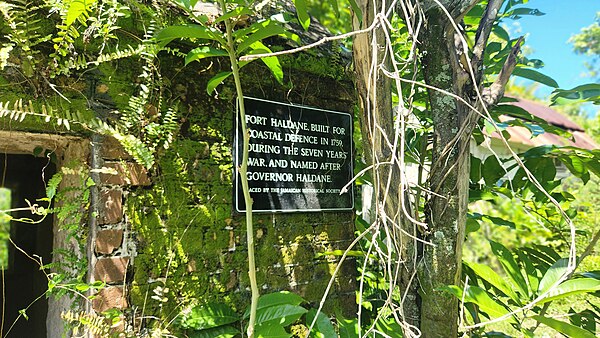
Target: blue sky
<point x="548" y="35"/>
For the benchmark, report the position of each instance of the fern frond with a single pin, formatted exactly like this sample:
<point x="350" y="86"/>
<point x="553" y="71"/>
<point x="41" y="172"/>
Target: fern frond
<point x="94" y="323"/>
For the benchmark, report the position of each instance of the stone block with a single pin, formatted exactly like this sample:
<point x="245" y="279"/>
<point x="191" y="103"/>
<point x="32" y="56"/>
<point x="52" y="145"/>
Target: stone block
<point x="111" y="270"/>
<point x="111" y="207"/>
<point x="127" y="173"/>
<point x="110" y="297"/>
<point x="108" y="240"/>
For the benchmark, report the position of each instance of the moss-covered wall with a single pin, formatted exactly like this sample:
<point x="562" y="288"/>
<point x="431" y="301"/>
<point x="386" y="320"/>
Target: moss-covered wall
<point x="189" y="246"/>
<point x="190" y="243"/>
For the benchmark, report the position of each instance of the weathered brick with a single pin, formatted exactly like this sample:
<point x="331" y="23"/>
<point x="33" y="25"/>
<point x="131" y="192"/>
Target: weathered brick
<point x="108" y="240"/>
<point x="111" y="270"/>
<point x="111" y="210"/>
<point x="127" y="173"/>
<point x="111" y="149"/>
<point x="110" y="297"/>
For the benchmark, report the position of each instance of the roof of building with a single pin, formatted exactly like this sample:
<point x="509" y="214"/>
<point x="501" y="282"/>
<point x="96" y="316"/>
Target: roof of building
<point x="524" y="136"/>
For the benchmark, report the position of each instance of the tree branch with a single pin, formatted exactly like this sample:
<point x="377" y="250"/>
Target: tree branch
<point x="483" y="34"/>
<point x="493" y="93"/>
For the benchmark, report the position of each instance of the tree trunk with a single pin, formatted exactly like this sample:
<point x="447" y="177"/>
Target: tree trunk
<point x="377" y="125"/>
<point x="446" y="67"/>
<point x="446" y="209"/>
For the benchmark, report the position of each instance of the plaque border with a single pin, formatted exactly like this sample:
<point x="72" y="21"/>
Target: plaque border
<point x="236" y="160"/>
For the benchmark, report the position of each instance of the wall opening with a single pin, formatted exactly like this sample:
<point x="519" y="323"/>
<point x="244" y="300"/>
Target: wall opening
<point x="22" y="179"/>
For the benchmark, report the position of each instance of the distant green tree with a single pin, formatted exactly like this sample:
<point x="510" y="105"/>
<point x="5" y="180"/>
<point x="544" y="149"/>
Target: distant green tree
<point x="587" y="42"/>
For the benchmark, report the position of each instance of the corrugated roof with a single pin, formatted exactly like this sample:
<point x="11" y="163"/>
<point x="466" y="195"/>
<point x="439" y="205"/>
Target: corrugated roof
<point x="524" y="136"/>
<point x="546" y="113"/>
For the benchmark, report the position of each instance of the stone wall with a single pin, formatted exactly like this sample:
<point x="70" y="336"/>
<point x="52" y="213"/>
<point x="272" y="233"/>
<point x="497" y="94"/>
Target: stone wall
<point x="168" y="238"/>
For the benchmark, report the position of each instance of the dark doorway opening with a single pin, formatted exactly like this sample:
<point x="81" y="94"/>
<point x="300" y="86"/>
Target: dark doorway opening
<point x="22" y="178"/>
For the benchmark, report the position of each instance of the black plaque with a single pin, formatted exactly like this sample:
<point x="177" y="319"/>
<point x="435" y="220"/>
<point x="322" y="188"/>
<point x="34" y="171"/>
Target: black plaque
<point x="300" y="158"/>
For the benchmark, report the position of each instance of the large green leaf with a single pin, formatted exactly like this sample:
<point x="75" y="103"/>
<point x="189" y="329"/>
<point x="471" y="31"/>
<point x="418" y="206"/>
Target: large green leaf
<point x="585" y="319"/>
<point x="480" y="297"/>
<point x="203" y="52"/>
<point x="572" y="287"/>
<point x="492" y="170"/>
<point x="500" y="32"/>
<point x="275" y="299"/>
<point x="208" y="316"/>
<point x="215" y="332"/>
<point x="216" y="80"/>
<point x="302" y="13"/>
<point x="272" y="62"/>
<point x="348" y="327"/>
<point x="510" y="266"/>
<point x="575" y="165"/>
<point x="553" y="274"/>
<point x="486" y="273"/>
<point x="283" y="315"/>
<point x="270" y="330"/>
<point x="264" y="30"/>
<point x="564" y="328"/>
<point x="536" y="76"/>
<point x="323" y="327"/>
<point x="389" y="328"/>
<point x="532" y="273"/>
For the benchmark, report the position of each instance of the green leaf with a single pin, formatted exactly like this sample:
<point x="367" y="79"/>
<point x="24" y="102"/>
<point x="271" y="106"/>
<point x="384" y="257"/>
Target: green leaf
<point x="553" y="274"/>
<point x="302" y="13"/>
<point x="348" y="327"/>
<point x="572" y="287"/>
<point x="389" y="327"/>
<point x="323" y="327"/>
<point x="272" y="62"/>
<point x="472" y="225"/>
<point x="492" y="170"/>
<point x="500" y="221"/>
<point x="264" y="30"/>
<point x="575" y="165"/>
<point x="486" y="273"/>
<point x="536" y="76"/>
<point x="356" y="10"/>
<point x="510" y="266"/>
<point x="208" y="316"/>
<point x="76" y="9"/>
<point x="501" y="32"/>
<point x="203" y="52"/>
<point x="275" y="299"/>
<point x="238" y="11"/>
<point x="215" y="332"/>
<point x="518" y="12"/>
<point x="270" y="330"/>
<point x="586" y="92"/>
<point x="585" y="319"/>
<point x="283" y="315"/>
<point x="475" y="170"/>
<point x="531" y="271"/>
<point x="564" y="328"/>
<point x="215" y="81"/>
<point x="480" y="297"/>
<point x="189" y="31"/>
<point x="188" y="5"/>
